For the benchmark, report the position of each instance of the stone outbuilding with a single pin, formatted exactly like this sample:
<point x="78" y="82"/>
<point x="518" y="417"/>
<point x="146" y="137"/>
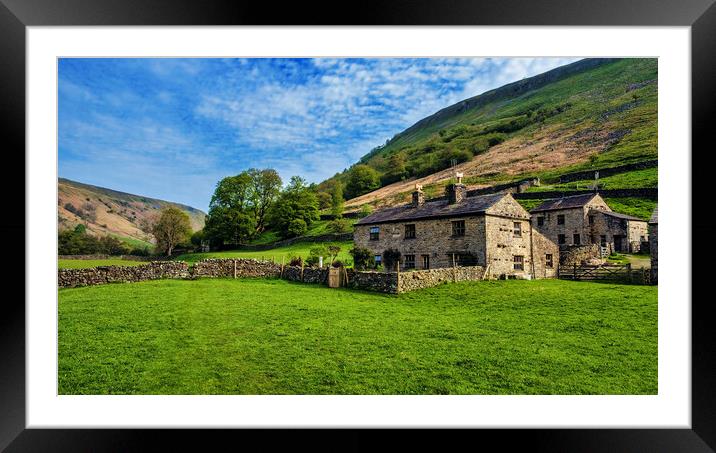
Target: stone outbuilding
<point x="654" y="245"/>
<point x="587" y="219"/>
<point x="487" y="230"/>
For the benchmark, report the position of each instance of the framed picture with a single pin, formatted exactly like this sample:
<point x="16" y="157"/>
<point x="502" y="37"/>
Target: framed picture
<point x="52" y="398"/>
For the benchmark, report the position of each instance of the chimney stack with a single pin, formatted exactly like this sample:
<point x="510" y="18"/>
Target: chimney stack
<point x="418" y="196"/>
<point x="456" y="192"/>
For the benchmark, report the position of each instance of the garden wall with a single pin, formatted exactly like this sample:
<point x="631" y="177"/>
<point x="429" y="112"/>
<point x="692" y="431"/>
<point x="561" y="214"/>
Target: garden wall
<point x="569" y="255"/>
<point x="70" y="278"/>
<point x="385" y="282"/>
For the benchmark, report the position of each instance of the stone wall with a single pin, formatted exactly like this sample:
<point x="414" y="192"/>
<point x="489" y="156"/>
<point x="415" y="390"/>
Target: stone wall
<point x="654" y="248"/>
<point x="70" y="278"/>
<point x="383" y="282"/>
<point x="111" y="257"/>
<point x="235" y="268"/>
<point x="571" y="254"/>
<point x="411" y="281"/>
<point x="328" y="237"/>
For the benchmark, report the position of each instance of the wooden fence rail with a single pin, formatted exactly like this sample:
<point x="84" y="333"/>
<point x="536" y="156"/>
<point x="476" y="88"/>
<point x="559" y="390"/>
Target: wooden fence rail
<point x="612" y="272"/>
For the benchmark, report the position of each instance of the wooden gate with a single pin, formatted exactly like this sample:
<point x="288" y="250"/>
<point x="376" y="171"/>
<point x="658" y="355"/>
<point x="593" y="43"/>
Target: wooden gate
<point x="614" y="272"/>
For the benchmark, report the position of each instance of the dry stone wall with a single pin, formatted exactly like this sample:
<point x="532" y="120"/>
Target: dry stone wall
<point x="70" y="278"/>
<point x="571" y="255"/>
<point x="385" y="282"/>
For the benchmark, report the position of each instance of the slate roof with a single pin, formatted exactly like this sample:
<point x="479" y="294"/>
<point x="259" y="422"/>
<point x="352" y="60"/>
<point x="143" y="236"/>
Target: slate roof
<point x="433" y="209"/>
<point x="575" y="201"/>
<point x="655" y="216"/>
<point x="621" y="216"/>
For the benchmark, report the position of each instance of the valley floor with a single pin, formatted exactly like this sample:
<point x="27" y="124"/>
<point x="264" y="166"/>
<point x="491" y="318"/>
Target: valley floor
<point x="217" y="336"/>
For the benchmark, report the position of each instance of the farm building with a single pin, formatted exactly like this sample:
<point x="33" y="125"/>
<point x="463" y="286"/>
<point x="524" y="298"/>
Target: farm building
<point x="653" y="244"/>
<point x="587" y="219"/>
<point x="487" y="230"/>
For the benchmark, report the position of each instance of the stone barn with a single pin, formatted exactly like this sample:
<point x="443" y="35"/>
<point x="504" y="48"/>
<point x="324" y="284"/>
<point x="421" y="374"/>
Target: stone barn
<point x="487" y="230"/>
<point x="654" y="245"/>
<point x="587" y="219"/>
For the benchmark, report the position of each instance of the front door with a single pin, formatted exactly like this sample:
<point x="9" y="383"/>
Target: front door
<point x="618" y="243"/>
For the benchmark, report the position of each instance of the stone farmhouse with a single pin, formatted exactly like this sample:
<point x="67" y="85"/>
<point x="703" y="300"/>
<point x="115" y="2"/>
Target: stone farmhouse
<point x="586" y="219"/>
<point x="488" y="230"/>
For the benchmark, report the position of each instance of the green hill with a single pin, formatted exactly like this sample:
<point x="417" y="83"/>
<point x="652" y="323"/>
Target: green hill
<point x="591" y="113"/>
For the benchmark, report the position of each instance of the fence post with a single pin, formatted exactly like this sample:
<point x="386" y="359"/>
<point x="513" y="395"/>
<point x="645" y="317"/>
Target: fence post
<point x="628" y="266"/>
<point x="301" y="270"/>
<point x="234" y="268"/>
<point x="574" y="276"/>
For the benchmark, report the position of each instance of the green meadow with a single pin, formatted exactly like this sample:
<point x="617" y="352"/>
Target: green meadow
<point x="265" y="336"/>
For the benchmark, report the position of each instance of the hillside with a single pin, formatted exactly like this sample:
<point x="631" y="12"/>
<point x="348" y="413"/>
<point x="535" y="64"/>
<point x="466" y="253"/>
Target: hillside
<point x="593" y="113"/>
<point x="106" y="211"/>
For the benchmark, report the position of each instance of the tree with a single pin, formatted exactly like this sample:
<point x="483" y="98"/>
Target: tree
<point x="334" y="250"/>
<point x="337" y="201"/>
<point x="297" y="201"/>
<point x="297" y="227"/>
<point x="324" y="200"/>
<point x="361" y="179"/>
<point x="264" y="191"/>
<point x="172" y="228"/>
<point x="391" y="258"/>
<point x="397" y="170"/>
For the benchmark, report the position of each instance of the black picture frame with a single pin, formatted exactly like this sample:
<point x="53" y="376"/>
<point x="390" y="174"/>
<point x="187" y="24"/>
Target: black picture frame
<point x="16" y="15"/>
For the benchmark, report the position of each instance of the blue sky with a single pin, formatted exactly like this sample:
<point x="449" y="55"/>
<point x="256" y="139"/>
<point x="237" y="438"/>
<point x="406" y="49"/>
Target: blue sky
<point x="172" y="128"/>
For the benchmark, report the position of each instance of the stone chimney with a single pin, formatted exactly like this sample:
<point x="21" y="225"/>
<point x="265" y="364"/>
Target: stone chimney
<point x="456" y="192"/>
<point x="418" y="196"/>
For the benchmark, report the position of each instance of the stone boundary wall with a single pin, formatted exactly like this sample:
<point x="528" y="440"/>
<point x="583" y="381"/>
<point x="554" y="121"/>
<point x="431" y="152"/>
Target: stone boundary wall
<point x="569" y="255"/>
<point x="329" y="237"/>
<point x="235" y="268"/>
<point x="382" y="282"/>
<point x="650" y="193"/>
<point x="70" y="278"/>
<point x="410" y="281"/>
<point x="589" y="174"/>
<point x="111" y="257"/>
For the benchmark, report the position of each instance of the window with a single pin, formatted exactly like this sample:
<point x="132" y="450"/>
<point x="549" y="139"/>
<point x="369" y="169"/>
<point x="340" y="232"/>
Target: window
<point x="518" y="229"/>
<point x="548" y="260"/>
<point x="560" y="219"/>
<point x="577" y="239"/>
<point x="561" y="239"/>
<point x="426" y="261"/>
<point x="378" y="260"/>
<point x="458" y="228"/>
<point x="519" y="262"/>
<point x="603" y="240"/>
<point x="540" y="221"/>
<point x="409" y="231"/>
<point x="591" y="220"/>
<point x="374" y="233"/>
<point x="462" y="259"/>
<point x="409" y="262"/>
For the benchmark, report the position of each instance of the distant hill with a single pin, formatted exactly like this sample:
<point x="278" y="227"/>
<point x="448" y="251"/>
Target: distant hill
<point x="589" y="114"/>
<point x="106" y="211"/>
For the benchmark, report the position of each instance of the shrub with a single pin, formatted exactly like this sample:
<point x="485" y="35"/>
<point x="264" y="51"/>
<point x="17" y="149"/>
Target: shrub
<point x="362" y="257"/>
<point x="297" y="227"/>
<point x="295" y="261"/>
<point x="339" y="226"/>
<point x="366" y="210"/>
<point x="138" y="251"/>
<point x="391" y="257"/>
<point x="337" y="263"/>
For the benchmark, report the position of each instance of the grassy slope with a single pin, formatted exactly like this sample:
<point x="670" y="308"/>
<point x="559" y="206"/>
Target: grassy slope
<point x="648" y="178"/>
<point x="301" y="249"/>
<point x="598" y="102"/>
<point x="275" y="337"/>
<point x="80" y="264"/>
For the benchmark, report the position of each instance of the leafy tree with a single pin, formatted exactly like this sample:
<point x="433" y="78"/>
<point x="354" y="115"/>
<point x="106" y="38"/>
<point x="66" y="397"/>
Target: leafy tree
<point x="296" y="202"/>
<point x="264" y="191"/>
<point x="80" y="228"/>
<point x="172" y="228"/>
<point x="361" y="179"/>
<point x="365" y="210"/>
<point x="337" y="201"/>
<point x="113" y="246"/>
<point x="397" y="170"/>
<point x="362" y="258"/>
<point x="324" y="200"/>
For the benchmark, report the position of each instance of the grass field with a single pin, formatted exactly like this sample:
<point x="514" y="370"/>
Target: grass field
<point x="301" y="249"/>
<point x="80" y="264"/>
<point x="275" y="337"/>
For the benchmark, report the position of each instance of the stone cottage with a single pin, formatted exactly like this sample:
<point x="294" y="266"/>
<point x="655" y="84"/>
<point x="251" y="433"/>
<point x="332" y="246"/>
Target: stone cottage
<point x="654" y="245"/>
<point x="587" y="219"/>
<point x="487" y="230"/>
